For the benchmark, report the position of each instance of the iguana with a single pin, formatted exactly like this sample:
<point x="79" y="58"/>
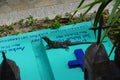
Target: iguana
<point x="9" y="70"/>
<point x="64" y="44"/>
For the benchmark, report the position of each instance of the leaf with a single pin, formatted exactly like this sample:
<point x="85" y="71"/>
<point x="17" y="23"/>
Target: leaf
<point x="91" y="4"/>
<point x="116" y="18"/>
<point x="105" y="33"/>
<point x="117" y="29"/>
<point x="88" y="10"/>
<point x="114" y="45"/>
<point x="111" y="50"/>
<point x="77" y="7"/>
<point x="99" y="12"/>
<point x="117" y="3"/>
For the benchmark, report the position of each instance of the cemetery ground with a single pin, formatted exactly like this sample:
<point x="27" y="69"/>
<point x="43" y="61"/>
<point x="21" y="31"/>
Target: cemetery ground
<point x="30" y="24"/>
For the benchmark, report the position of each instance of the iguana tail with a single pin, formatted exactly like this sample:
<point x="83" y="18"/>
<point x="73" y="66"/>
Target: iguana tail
<point x="76" y="43"/>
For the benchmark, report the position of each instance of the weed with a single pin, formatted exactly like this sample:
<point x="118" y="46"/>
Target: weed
<point x="57" y="17"/>
<point x="68" y="15"/>
<point x="30" y="17"/>
<point x="119" y="20"/>
<point x="27" y="23"/>
<point x="16" y="33"/>
<point x="10" y="27"/>
<point x="30" y="21"/>
<point x="46" y="19"/>
<point x="21" y="22"/>
<point x="55" y="25"/>
<point x="46" y="27"/>
<point x="2" y="30"/>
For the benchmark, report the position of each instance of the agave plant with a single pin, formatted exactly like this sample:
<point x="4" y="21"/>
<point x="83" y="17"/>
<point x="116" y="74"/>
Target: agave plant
<point x="112" y="26"/>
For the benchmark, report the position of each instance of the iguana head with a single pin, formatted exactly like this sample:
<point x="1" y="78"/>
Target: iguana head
<point x="46" y="39"/>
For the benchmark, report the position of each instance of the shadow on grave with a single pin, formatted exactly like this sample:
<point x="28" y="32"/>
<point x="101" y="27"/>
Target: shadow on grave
<point x="96" y="63"/>
<point x="9" y="70"/>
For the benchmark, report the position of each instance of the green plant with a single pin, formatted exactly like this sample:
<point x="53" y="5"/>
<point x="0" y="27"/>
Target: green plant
<point x="57" y="17"/>
<point x="71" y="21"/>
<point x="16" y="33"/>
<point x="2" y="30"/>
<point x="46" y="19"/>
<point x="112" y="20"/>
<point x="21" y="22"/>
<point x="55" y="25"/>
<point x="68" y="15"/>
<point x="30" y="21"/>
<point x="10" y="27"/>
<point x="46" y="27"/>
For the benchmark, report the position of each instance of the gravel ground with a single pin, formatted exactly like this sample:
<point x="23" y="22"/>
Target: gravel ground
<point x="43" y="11"/>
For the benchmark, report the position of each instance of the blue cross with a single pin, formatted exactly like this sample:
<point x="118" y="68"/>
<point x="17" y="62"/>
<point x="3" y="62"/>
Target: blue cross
<point x="79" y="62"/>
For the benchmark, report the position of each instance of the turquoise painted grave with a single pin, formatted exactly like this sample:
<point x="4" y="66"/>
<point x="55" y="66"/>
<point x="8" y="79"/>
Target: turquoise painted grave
<point x="37" y="63"/>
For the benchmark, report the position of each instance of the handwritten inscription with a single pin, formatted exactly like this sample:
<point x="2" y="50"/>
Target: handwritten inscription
<point x="12" y="48"/>
<point x="73" y="28"/>
<point x="76" y="36"/>
<point x="16" y="49"/>
<point x="82" y="34"/>
<point x="78" y="33"/>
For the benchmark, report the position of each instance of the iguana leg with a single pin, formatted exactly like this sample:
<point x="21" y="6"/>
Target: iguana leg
<point x="66" y="47"/>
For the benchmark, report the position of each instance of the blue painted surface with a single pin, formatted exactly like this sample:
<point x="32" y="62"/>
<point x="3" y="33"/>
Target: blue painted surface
<point x="80" y="60"/>
<point x="37" y="63"/>
<point x="24" y="59"/>
<point x="79" y="53"/>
